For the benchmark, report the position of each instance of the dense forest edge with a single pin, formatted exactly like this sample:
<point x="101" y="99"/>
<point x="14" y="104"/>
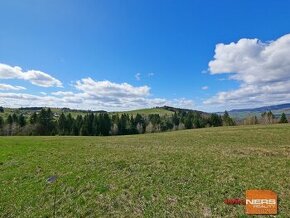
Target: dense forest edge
<point x="44" y="121"/>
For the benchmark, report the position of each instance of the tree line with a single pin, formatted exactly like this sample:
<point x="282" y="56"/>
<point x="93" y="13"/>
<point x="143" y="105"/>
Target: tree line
<point x="267" y="117"/>
<point x="46" y="122"/>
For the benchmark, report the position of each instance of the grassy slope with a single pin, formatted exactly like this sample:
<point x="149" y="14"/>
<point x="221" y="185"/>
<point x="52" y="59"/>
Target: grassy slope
<point x="182" y="173"/>
<point x="147" y="111"/>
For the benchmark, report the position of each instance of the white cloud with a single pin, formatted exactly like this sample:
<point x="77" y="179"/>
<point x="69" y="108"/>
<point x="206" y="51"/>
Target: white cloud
<point x="204" y="88"/>
<point x="181" y="103"/>
<point x="150" y="74"/>
<point x="110" y="89"/>
<point x="7" y="87"/>
<point x="35" y="77"/>
<point x="138" y="76"/>
<point x="262" y="68"/>
<point x="61" y="93"/>
<point x="95" y="95"/>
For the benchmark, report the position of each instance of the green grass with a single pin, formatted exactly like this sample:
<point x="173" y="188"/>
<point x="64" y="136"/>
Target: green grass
<point x="175" y="174"/>
<point x="147" y="111"/>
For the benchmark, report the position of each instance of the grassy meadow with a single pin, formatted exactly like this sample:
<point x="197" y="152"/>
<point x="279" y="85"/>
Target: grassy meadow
<point x="148" y="111"/>
<point x="174" y="174"/>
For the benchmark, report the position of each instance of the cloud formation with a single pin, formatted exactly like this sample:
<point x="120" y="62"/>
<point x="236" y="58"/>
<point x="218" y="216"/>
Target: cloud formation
<point x="110" y="89"/>
<point x="94" y="95"/>
<point x="7" y="87"/>
<point x="35" y="77"/>
<point x="262" y="68"/>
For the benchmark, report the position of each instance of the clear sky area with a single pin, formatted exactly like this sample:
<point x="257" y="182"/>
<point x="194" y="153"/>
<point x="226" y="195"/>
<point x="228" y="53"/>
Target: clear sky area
<point x="127" y="54"/>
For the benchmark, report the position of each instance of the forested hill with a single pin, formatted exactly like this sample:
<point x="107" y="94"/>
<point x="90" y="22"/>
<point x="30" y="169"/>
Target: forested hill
<point x="164" y="110"/>
<point x="46" y="121"/>
<point x="182" y="110"/>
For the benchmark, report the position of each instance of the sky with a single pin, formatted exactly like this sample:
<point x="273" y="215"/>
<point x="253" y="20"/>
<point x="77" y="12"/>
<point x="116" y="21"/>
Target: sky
<point x="120" y="55"/>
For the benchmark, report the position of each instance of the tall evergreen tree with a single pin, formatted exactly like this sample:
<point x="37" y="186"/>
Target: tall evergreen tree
<point x="1" y="122"/>
<point x="69" y="124"/>
<point x="227" y="120"/>
<point x="175" y="119"/>
<point x="46" y="123"/>
<point x="21" y="120"/>
<point x="106" y="127"/>
<point x="123" y="124"/>
<point x="61" y="124"/>
<point x="9" y="120"/>
<point x="77" y="125"/>
<point x="33" y="118"/>
<point x="15" y="118"/>
<point x="188" y="121"/>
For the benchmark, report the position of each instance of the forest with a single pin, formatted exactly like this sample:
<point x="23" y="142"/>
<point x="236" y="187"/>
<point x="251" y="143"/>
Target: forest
<point x="45" y="122"/>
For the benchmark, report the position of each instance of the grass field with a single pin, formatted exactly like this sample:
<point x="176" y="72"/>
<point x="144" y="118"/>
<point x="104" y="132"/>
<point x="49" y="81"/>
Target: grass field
<point x="175" y="174"/>
<point x="160" y="111"/>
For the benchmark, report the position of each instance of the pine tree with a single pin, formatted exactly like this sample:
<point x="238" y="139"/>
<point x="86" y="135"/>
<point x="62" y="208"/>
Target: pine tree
<point x="175" y="119"/>
<point x="33" y="118"/>
<point x="77" y="125"/>
<point x="21" y="120"/>
<point x="61" y="124"/>
<point x="215" y="120"/>
<point x="1" y="122"/>
<point x="69" y="124"/>
<point x="227" y="120"/>
<point x="15" y="118"/>
<point x="45" y="121"/>
<point x="9" y="120"/>
<point x="105" y="124"/>
<point x="283" y="118"/>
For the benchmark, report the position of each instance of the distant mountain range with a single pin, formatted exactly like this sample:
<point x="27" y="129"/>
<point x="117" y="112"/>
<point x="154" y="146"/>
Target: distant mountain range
<point x="265" y="108"/>
<point x="238" y="114"/>
<point x="276" y="109"/>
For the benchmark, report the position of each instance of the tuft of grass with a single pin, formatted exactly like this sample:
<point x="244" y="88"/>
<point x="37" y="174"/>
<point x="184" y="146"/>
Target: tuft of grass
<point x="177" y="174"/>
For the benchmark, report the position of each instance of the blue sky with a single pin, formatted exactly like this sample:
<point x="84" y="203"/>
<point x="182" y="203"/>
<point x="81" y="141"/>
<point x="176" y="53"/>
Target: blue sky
<point x="127" y="54"/>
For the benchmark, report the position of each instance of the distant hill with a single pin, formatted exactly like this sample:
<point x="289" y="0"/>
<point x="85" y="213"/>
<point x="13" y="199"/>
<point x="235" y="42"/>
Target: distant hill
<point x="183" y="110"/>
<point x="265" y="108"/>
<point x="164" y="110"/>
<point x="276" y="109"/>
<point x="146" y="111"/>
<point x="237" y="114"/>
